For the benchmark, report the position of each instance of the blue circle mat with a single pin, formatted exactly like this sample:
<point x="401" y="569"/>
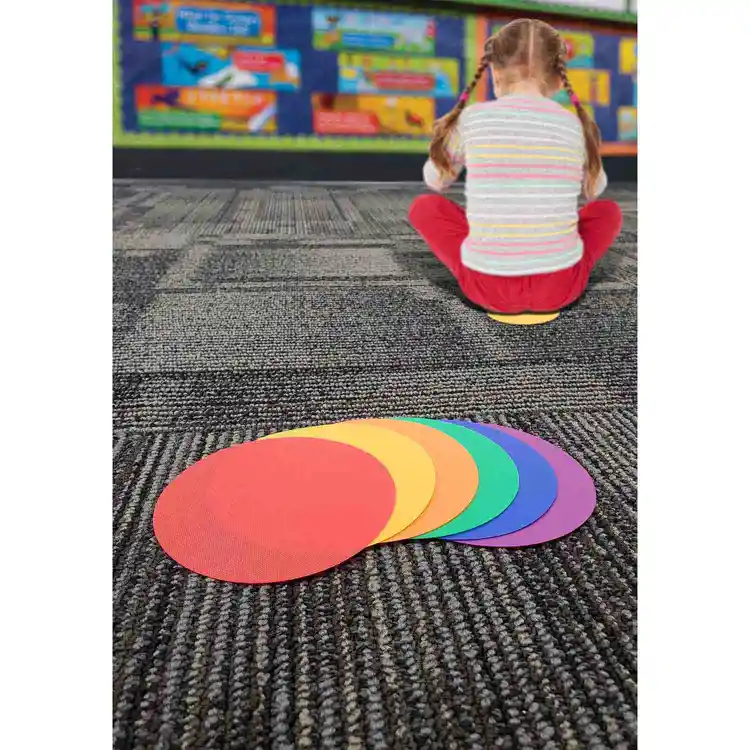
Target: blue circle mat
<point x="537" y="488"/>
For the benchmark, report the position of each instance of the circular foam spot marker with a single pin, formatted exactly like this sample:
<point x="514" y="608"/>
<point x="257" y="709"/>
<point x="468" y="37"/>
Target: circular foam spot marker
<point x="525" y="319"/>
<point x="407" y="462"/>
<point x="574" y="504"/>
<point x="498" y="479"/>
<point x="537" y="487"/>
<point x="456" y="475"/>
<point x="274" y="511"/>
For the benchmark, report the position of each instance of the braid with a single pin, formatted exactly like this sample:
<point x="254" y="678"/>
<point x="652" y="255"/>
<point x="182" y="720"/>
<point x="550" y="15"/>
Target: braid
<point x="444" y="127"/>
<point x="483" y="65"/>
<point x="591" y="133"/>
<point x="562" y="71"/>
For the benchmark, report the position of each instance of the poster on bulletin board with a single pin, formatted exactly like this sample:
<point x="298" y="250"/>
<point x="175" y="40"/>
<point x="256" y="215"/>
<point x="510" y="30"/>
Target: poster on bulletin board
<point x="203" y="20"/>
<point x="230" y="67"/>
<point x="374" y="74"/>
<point x="341" y="114"/>
<point x="340" y="29"/>
<point x="205" y="109"/>
<point x="305" y="75"/>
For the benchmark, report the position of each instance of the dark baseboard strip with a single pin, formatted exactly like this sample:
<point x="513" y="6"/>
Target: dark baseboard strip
<point x="330" y="166"/>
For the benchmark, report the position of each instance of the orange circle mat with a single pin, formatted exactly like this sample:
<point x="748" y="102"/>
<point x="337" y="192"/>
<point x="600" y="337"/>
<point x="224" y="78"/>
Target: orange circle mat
<point x="456" y="476"/>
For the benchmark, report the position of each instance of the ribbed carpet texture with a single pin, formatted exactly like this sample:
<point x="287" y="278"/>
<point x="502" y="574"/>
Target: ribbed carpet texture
<point x="241" y="310"/>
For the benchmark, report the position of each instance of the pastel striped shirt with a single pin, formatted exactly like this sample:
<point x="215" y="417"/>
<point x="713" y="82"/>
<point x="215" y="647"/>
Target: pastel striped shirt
<point x="524" y="158"/>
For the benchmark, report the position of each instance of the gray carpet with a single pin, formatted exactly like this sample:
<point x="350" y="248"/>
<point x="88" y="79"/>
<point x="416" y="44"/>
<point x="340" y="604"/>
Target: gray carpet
<point x="244" y="309"/>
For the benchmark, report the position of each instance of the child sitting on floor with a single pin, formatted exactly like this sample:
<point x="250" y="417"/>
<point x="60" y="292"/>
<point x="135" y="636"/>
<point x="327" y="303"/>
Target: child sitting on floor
<point x="522" y="245"/>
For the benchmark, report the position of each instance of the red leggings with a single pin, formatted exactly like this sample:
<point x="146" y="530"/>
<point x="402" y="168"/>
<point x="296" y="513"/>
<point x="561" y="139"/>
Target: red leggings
<point x="443" y="227"/>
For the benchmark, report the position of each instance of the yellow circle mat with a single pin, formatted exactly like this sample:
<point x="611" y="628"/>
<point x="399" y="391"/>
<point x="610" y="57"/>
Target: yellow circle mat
<point x="525" y="319"/>
<point x="406" y="460"/>
<point x="456" y="475"/>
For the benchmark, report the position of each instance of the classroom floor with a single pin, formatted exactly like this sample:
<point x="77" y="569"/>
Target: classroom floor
<point x="242" y="309"/>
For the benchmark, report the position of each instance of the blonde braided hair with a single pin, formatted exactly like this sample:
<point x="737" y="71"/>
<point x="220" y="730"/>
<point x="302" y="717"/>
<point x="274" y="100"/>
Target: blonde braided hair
<point x="443" y="129"/>
<point x="592" y="136"/>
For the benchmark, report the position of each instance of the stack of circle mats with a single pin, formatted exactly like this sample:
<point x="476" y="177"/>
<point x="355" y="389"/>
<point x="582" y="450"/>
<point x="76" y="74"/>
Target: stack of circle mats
<point x="296" y="503"/>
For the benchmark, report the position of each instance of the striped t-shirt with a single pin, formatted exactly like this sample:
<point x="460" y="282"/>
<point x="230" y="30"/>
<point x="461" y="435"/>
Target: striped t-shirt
<point x="524" y="159"/>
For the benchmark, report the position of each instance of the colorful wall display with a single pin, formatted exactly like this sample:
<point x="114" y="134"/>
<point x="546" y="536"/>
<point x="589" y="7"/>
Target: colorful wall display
<point x="297" y="74"/>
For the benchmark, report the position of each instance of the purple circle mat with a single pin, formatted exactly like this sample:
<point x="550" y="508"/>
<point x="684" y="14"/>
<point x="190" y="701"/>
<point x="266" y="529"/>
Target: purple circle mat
<point x="575" y="502"/>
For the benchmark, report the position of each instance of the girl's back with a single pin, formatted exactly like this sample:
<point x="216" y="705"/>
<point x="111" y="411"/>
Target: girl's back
<point x="524" y="159"/>
<point x="521" y="245"/>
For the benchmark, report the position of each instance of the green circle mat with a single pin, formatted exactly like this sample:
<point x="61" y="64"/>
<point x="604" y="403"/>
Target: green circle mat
<point x="498" y="479"/>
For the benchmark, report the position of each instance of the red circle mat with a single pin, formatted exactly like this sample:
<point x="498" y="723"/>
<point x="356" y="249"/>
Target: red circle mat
<point x="274" y="510"/>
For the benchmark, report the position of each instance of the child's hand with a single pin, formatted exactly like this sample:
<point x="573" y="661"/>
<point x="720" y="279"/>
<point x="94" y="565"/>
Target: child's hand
<point x="435" y="180"/>
<point x="601" y="184"/>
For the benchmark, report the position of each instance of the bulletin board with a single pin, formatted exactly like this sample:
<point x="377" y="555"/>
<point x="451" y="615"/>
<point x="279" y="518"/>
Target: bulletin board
<point x="236" y="74"/>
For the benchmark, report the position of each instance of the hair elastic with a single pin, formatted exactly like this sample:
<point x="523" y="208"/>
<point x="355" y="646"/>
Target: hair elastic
<point x="464" y="97"/>
<point x="574" y="100"/>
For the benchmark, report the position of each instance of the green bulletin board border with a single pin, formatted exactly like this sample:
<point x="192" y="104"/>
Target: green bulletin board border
<point x="123" y="139"/>
<point x="572" y="11"/>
